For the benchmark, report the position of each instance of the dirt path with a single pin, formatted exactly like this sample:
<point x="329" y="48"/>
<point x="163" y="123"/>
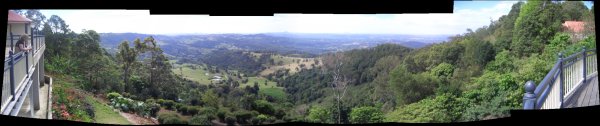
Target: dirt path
<point x="137" y="120"/>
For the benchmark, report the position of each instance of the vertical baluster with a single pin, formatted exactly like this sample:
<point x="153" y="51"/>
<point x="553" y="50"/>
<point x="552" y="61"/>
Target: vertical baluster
<point x="584" y="68"/>
<point x="560" y="59"/>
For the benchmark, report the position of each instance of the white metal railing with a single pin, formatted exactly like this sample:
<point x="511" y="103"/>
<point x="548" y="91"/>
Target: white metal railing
<point x="563" y="80"/>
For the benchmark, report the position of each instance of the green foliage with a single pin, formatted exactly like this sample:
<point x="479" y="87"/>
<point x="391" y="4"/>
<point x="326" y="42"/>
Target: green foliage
<point x="442" y="108"/>
<point x="504" y="34"/>
<point x="443" y="71"/>
<point x="113" y="95"/>
<point x="366" y="115"/>
<point x="538" y="21"/>
<point x="261" y="118"/>
<point x="477" y="52"/>
<point x="264" y="107"/>
<point x="243" y="116"/>
<point x="502" y="63"/>
<point x="558" y="44"/>
<point x="210" y="112"/>
<point x="170" y="118"/>
<point x="573" y="10"/>
<point x="200" y="120"/>
<point x="410" y="87"/>
<point x="59" y="64"/>
<point x="210" y="99"/>
<point x="319" y="114"/>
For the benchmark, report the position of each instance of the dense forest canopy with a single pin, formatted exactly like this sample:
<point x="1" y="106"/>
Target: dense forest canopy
<point x="473" y="76"/>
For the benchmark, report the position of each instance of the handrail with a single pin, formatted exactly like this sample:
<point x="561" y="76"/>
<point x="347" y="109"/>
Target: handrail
<point x="21" y="81"/>
<point x="536" y="97"/>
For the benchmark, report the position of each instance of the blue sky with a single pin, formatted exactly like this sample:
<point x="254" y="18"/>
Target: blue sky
<point x="467" y="14"/>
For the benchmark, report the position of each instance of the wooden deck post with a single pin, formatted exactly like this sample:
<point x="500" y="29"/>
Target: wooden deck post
<point x="529" y="98"/>
<point x="561" y="82"/>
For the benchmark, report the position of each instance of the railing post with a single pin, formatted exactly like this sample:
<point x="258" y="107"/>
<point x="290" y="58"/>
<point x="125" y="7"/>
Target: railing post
<point x="584" y="63"/>
<point x="26" y="64"/>
<point x="561" y="82"/>
<point x="12" y="47"/>
<point x="32" y="44"/>
<point x="529" y="98"/>
<point x="12" y="74"/>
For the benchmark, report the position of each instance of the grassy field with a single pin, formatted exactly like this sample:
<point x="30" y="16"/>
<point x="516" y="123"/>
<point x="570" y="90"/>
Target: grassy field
<point x="288" y="63"/>
<point x="199" y="74"/>
<point x="105" y="114"/>
<point x="270" y="88"/>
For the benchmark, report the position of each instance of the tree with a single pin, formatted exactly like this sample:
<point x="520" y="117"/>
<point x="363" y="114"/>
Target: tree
<point x="573" y="10"/>
<point x="36" y="17"/>
<point x="126" y="56"/>
<point x="318" y="114"/>
<point x="366" y="115"/>
<point x="209" y="98"/>
<point x="411" y="87"/>
<point x="538" y="21"/>
<point x="339" y="85"/>
<point x="505" y="31"/>
<point x="58" y="25"/>
<point x="477" y="53"/>
<point x="264" y="107"/>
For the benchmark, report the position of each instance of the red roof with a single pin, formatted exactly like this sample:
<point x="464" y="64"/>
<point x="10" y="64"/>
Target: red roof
<point x="13" y="17"/>
<point x="575" y="26"/>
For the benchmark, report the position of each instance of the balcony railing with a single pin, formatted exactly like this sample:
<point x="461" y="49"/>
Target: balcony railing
<point x="563" y="80"/>
<point x="18" y="70"/>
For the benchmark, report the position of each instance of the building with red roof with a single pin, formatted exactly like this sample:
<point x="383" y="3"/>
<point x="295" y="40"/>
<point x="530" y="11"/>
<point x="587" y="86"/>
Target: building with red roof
<point x="575" y="28"/>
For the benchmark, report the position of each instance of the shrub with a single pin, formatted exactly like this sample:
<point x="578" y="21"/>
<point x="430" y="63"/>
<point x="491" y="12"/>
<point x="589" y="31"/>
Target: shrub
<point x="366" y="115"/>
<point x="152" y="109"/>
<point x="168" y="104"/>
<point x="263" y="106"/>
<point x="170" y="118"/>
<point x="113" y="95"/>
<point x="193" y="110"/>
<point x="210" y="112"/>
<point x="178" y="106"/>
<point x="183" y="110"/>
<point x="261" y="118"/>
<point x="160" y="101"/>
<point x="200" y="120"/>
<point x="242" y="116"/>
<point x="230" y="119"/>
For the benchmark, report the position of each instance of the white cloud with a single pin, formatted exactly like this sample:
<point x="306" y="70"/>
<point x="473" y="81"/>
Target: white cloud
<point x="140" y="21"/>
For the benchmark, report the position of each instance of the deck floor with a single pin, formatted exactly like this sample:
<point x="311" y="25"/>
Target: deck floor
<point x="586" y="95"/>
<point x="43" y="111"/>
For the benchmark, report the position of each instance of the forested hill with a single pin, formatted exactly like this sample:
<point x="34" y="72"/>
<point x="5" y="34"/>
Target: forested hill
<point x="282" y="43"/>
<point x="474" y="76"/>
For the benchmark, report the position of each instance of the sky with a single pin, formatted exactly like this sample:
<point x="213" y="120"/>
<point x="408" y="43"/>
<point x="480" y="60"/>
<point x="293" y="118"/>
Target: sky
<point x="467" y="14"/>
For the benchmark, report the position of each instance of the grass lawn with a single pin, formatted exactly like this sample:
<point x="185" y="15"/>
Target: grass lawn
<point x="198" y="74"/>
<point x="105" y="114"/>
<point x="277" y="92"/>
<point x="270" y="88"/>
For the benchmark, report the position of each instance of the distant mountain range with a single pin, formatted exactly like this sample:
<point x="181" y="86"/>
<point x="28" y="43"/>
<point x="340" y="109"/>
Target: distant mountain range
<point x="311" y="43"/>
